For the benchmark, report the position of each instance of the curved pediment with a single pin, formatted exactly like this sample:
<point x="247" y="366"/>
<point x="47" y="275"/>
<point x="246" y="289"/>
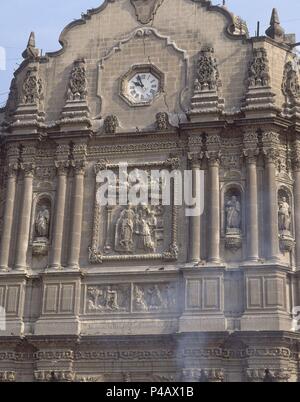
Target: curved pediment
<point x="145" y="11"/>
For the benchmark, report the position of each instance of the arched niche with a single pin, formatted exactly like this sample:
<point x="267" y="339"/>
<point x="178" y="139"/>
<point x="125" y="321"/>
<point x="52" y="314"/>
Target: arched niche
<point x="285" y="219"/>
<point x="42" y="213"/>
<point x="232" y="215"/>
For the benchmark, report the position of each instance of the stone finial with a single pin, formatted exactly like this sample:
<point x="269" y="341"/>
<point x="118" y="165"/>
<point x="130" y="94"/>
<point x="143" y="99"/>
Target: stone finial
<point x="31" y="52"/>
<point x="275" y="30"/>
<point x="78" y="82"/>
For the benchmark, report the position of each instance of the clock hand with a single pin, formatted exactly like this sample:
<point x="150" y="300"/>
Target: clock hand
<point x="137" y="84"/>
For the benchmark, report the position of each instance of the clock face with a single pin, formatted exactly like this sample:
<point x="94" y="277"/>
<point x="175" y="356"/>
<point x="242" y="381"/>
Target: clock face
<point x="143" y="87"/>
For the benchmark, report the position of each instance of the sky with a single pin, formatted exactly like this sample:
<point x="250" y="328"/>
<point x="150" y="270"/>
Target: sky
<point x="48" y="18"/>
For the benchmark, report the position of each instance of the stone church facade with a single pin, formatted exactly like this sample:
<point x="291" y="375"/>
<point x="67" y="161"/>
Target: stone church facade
<point x="97" y="293"/>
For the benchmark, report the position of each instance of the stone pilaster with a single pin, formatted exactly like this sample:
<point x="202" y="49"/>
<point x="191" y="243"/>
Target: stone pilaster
<point x="79" y="164"/>
<point x="28" y="168"/>
<point x="213" y="155"/>
<point x="62" y="166"/>
<point x="270" y="149"/>
<point x="195" y="221"/>
<point x="251" y="152"/>
<point x="12" y="171"/>
<point x="296" y="167"/>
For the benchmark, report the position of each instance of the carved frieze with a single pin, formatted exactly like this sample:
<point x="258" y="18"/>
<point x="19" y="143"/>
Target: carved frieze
<point x="203" y="375"/>
<point x="131" y="298"/>
<point x="108" y="299"/>
<point x="7" y="376"/>
<point x="154" y="297"/>
<point x="54" y="376"/>
<point x="268" y="375"/>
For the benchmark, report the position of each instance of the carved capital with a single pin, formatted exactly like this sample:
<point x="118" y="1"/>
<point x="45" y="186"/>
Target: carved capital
<point x="195" y="159"/>
<point x="28" y="168"/>
<point x="271" y="142"/>
<point x="271" y="155"/>
<point x="12" y="169"/>
<point x="62" y="167"/>
<point x="172" y="163"/>
<point x="79" y="166"/>
<point x="62" y="150"/>
<point x="79" y="151"/>
<point x="270" y="138"/>
<point x="13" y="151"/>
<point x="101" y="165"/>
<point x="28" y="151"/>
<point x="251" y="155"/>
<point x="214" y="158"/>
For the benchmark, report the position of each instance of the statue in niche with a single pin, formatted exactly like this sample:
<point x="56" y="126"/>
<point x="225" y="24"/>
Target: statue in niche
<point x="42" y="222"/>
<point x="233" y="215"/>
<point x="284" y="215"/>
<point x="125" y="229"/>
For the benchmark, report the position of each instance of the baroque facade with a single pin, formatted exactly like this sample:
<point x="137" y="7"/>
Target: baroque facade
<point x="145" y="293"/>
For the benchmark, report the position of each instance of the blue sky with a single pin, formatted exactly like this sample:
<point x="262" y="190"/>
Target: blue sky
<point x="48" y="17"/>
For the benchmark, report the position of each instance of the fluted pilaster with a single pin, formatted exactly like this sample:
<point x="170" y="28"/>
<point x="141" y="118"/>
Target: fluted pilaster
<point x="12" y="171"/>
<point x="251" y="152"/>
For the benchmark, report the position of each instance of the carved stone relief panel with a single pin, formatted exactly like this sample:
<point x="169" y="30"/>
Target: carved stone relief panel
<point x="132" y="233"/>
<point x="108" y="299"/>
<point x="131" y="298"/>
<point x="154" y="297"/>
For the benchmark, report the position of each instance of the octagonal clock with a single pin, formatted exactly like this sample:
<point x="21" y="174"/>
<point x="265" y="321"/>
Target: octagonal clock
<point x="141" y="85"/>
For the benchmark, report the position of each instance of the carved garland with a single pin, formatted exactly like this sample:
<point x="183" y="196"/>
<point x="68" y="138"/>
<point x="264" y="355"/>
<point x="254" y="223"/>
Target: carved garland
<point x="171" y="254"/>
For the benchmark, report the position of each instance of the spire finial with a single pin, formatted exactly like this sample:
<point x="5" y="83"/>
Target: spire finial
<point x="275" y="30"/>
<point x="31" y="52"/>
